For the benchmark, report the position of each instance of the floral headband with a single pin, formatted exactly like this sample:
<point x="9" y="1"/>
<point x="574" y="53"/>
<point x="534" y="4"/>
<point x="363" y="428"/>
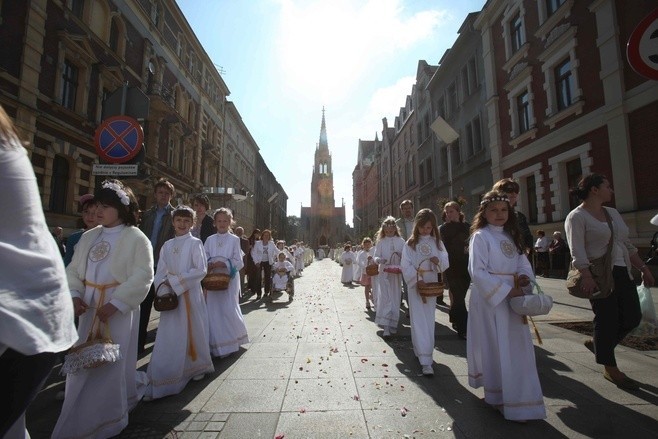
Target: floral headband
<point x="493" y="198"/>
<point x="123" y="196"/>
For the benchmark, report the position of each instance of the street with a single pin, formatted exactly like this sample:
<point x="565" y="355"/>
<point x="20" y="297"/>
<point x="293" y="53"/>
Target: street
<point x="317" y="367"/>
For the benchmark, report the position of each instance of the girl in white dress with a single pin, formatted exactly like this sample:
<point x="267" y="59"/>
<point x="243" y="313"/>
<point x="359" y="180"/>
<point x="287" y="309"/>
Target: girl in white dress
<point x="181" y="351"/>
<point x="423" y="257"/>
<point x="227" y="328"/>
<point x="109" y="276"/>
<point x="364" y="259"/>
<point x="499" y="347"/>
<point x="388" y="252"/>
<point x="347" y="259"/>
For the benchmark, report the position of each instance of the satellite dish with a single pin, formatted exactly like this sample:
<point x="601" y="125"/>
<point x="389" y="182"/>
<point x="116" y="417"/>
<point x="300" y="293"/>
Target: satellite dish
<point x="151" y="68"/>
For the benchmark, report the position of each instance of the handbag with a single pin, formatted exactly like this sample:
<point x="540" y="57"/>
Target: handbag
<point x="167" y="301"/>
<point x="97" y="350"/>
<point x="532" y="304"/>
<point x="601" y="269"/>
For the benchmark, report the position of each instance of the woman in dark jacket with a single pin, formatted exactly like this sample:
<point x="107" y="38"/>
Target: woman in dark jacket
<point x="205" y="226"/>
<point x="454" y="233"/>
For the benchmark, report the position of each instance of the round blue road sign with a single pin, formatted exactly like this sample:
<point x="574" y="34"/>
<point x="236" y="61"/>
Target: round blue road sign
<point x="118" y="139"/>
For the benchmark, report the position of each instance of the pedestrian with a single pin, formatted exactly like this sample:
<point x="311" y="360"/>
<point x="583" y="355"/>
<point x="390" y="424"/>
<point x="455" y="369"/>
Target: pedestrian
<point x="36" y="312"/>
<point x="204" y="225"/>
<point x="58" y="235"/>
<point x="227" y="328"/>
<point x="109" y="276"/>
<point x="388" y="252"/>
<point x="499" y="348"/>
<point x="347" y="259"/>
<point x="156" y="225"/>
<point x="264" y="254"/>
<point x="281" y="247"/>
<point x="406" y="226"/>
<point x="558" y="250"/>
<point x="364" y="259"/>
<point x="512" y="188"/>
<point x="88" y="206"/>
<point x="424" y="258"/>
<point x="246" y="249"/>
<point x="541" y="251"/>
<point x="589" y="228"/>
<point x="282" y="280"/>
<point x="253" y="272"/>
<point x="454" y="234"/>
<point x="181" y="351"/>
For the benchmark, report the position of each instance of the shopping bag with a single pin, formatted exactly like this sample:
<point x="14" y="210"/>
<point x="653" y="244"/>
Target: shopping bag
<point x="648" y="325"/>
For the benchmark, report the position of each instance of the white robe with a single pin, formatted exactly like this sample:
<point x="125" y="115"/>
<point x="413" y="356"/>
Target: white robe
<point x="356" y="268"/>
<point x="347" y="259"/>
<point x="499" y="347"/>
<point x="98" y="400"/>
<point x="299" y="260"/>
<point x="423" y="315"/>
<point x="227" y="328"/>
<point x="279" y="282"/>
<point x="389" y="284"/>
<point x="181" y="348"/>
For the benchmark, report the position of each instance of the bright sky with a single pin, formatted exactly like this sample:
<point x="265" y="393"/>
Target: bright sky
<point x="284" y="60"/>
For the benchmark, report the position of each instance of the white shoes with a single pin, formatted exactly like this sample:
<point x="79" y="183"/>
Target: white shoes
<point x="428" y="371"/>
<point x="198" y="377"/>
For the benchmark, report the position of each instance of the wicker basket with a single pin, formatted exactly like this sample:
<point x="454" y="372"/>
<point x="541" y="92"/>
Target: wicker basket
<point x="372" y="270"/>
<point x="99" y="349"/>
<point x="216" y="281"/>
<point x="394" y="264"/>
<point x="429" y="289"/>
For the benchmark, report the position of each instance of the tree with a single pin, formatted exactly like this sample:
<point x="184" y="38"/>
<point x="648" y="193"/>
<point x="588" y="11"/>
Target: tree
<point x="293" y="228"/>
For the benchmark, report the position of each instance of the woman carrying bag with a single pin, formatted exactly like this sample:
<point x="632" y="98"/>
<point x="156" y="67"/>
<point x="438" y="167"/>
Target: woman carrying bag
<point x="589" y="228"/>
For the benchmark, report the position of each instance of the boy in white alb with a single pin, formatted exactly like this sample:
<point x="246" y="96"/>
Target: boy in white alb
<point x="181" y="351"/>
<point x="347" y="259"/>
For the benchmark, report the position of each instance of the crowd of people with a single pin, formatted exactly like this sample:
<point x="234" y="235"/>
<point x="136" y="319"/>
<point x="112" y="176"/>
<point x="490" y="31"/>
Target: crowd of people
<point x="413" y="260"/>
<point x="195" y="265"/>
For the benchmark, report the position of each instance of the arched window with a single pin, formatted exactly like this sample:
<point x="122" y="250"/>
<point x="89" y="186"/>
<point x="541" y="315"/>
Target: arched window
<point x="59" y="185"/>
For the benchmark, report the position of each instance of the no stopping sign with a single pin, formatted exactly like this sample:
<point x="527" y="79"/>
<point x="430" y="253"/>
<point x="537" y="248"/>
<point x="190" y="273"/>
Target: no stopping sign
<point x="642" y="47"/>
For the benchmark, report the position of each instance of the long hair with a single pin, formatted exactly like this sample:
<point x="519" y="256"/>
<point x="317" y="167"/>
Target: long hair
<point x="511" y="226"/>
<point x="455" y="205"/>
<point x="423" y="217"/>
<point x="388" y="221"/>
<point x="225" y="211"/>
<point x="9" y="138"/>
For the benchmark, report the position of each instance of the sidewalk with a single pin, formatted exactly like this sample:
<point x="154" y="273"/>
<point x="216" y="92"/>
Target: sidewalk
<point x="317" y="367"/>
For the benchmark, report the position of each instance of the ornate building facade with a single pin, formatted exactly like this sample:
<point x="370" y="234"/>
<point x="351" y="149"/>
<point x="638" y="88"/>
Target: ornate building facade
<point x="322" y="223"/>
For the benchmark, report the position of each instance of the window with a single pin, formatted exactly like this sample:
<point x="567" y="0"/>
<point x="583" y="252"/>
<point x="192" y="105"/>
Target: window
<point x="574" y="173"/>
<point x="114" y="36"/>
<point x="70" y="76"/>
<point x="444" y="158"/>
<point x="472" y="75"/>
<point x="441" y="108"/>
<point x="516" y="32"/>
<point x="421" y="173"/>
<point x="477" y="135"/>
<point x="563" y="84"/>
<point x="171" y="152"/>
<point x="59" y="185"/>
<point x="469" y="140"/>
<point x="428" y="168"/>
<point x="553" y="5"/>
<point x="523" y="112"/>
<point x="466" y="86"/>
<point x="411" y="177"/>
<point x="531" y="186"/>
<point x="77" y="7"/>
<point x="452" y="99"/>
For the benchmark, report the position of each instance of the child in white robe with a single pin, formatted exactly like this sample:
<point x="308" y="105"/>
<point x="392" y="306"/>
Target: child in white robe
<point x="282" y="278"/>
<point x="181" y="351"/>
<point x="423" y="257"/>
<point x="109" y="276"/>
<point x="499" y="347"/>
<point x="281" y="247"/>
<point x="347" y="259"/>
<point x="388" y="251"/>
<point x="227" y="328"/>
<point x="364" y="259"/>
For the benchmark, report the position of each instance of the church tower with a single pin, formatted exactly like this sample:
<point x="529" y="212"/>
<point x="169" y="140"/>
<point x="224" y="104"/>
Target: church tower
<point x="323" y="224"/>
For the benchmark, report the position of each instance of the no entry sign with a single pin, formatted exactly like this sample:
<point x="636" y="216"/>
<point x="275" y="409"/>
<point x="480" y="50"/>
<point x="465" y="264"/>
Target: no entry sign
<point x="642" y="47"/>
<point x="118" y="139"/>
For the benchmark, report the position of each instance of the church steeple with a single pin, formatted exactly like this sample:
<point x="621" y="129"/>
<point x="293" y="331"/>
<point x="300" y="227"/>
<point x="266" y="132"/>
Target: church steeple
<point x="323" y="134"/>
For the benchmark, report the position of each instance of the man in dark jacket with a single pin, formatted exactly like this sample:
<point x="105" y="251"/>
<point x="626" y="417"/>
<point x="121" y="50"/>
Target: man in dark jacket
<point x="157" y="226"/>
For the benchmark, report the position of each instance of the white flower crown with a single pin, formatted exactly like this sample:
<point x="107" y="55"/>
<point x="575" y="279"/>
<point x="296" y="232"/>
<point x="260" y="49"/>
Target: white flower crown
<point x="494" y="198"/>
<point x="123" y="196"/>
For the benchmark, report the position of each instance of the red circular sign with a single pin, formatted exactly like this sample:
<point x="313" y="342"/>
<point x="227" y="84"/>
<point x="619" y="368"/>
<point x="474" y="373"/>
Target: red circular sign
<point x="118" y="139"/>
<point x="642" y="47"/>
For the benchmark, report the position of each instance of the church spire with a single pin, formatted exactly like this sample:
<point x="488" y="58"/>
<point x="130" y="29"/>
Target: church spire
<point x="323" y="133"/>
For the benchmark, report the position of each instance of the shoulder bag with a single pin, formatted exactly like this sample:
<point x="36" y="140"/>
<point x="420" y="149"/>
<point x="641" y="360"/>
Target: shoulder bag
<point x="601" y="270"/>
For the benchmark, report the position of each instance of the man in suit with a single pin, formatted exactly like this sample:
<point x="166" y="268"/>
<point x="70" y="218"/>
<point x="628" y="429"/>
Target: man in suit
<point x="406" y="226"/>
<point x="246" y="249"/>
<point x="157" y="226"/>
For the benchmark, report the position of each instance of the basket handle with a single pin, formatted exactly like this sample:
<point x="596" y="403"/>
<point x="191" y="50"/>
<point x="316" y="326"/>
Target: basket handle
<point x="231" y="269"/>
<point x="420" y="270"/>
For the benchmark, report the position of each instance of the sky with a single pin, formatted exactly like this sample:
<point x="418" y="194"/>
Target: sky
<point x="284" y="60"/>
